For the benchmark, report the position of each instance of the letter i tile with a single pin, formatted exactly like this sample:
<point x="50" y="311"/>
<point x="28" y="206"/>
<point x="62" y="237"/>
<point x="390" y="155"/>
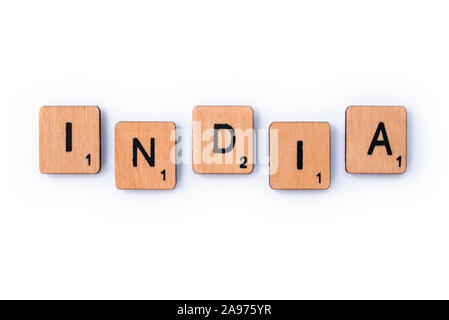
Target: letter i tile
<point x="300" y="155"/>
<point x="69" y="139"/>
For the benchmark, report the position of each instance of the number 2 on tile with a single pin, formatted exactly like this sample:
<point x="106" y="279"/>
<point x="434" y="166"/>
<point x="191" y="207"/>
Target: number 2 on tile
<point x="244" y="161"/>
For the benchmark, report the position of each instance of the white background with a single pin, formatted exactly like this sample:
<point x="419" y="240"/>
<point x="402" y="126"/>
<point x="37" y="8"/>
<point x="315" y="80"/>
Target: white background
<point x="224" y="236"/>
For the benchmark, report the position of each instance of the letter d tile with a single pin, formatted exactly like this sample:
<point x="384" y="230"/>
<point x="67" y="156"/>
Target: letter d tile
<point x="223" y="139"/>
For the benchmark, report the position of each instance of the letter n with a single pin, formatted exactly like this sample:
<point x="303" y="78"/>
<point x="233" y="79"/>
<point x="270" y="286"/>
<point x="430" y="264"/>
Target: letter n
<point x="138" y="145"/>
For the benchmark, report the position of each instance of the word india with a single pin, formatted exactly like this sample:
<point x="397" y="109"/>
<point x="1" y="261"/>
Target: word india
<point x="223" y="141"/>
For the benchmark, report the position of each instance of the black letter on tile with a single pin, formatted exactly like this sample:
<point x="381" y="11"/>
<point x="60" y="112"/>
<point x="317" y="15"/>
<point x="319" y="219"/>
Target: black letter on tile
<point x="299" y="155"/>
<point x="68" y="137"/>
<point x="138" y="145"/>
<point x="375" y="142"/>
<point x="226" y="126"/>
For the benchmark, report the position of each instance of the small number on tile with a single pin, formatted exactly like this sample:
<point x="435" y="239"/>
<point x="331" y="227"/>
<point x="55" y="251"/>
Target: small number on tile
<point x="244" y="161"/>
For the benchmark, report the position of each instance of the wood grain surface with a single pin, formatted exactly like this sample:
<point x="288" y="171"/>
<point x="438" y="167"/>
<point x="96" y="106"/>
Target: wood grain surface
<point x="136" y="172"/>
<point x="362" y="122"/>
<point x="69" y="139"/>
<point x="238" y="160"/>
<point x="310" y="169"/>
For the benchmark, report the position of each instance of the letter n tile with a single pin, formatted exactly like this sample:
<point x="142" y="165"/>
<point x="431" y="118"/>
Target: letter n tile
<point x="145" y="155"/>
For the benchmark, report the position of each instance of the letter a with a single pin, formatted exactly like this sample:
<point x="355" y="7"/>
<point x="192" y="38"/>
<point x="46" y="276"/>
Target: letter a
<point x="376" y="142"/>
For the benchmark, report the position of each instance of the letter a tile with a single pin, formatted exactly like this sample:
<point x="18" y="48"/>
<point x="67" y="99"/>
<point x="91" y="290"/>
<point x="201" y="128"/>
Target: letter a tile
<point x="223" y="139"/>
<point x="145" y="155"/>
<point x="69" y="139"/>
<point x="300" y="155"/>
<point x="376" y="139"/>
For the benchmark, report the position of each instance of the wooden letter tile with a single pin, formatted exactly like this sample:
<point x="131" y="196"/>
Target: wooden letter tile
<point x="300" y="155"/>
<point x="69" y="139"/>
<point x="223" y="139"/>
<point x="376" y="139"/>
<point x="145" y="155"/>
